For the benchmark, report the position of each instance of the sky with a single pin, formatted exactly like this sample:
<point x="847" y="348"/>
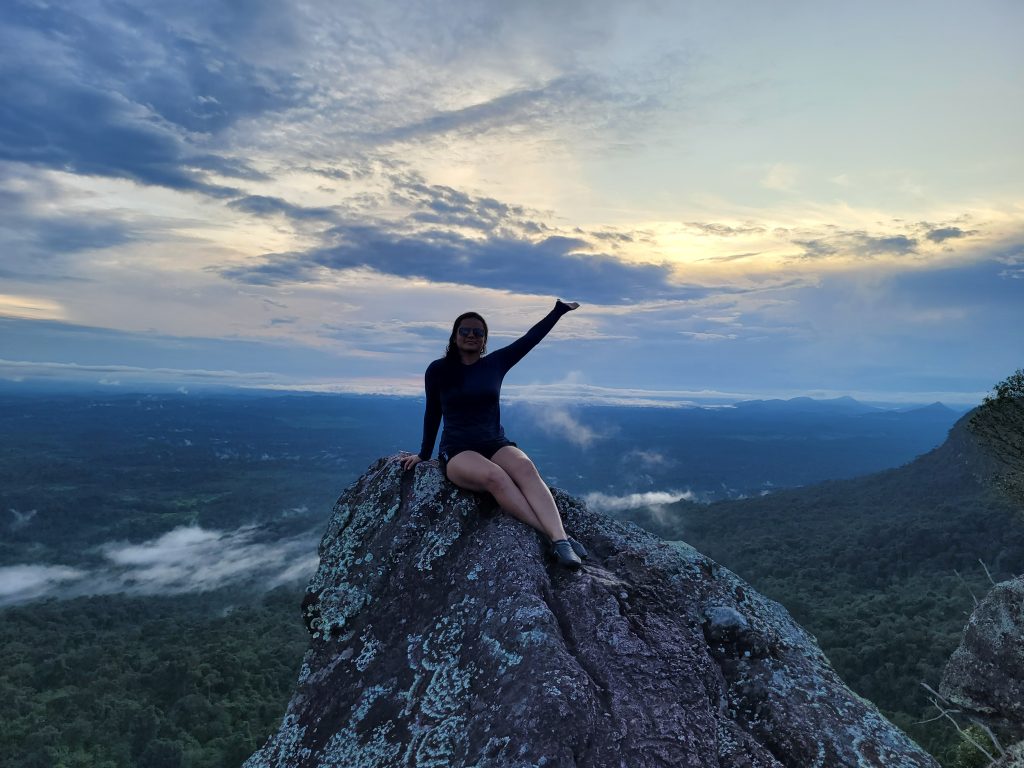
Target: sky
<point x="747" y="199"/>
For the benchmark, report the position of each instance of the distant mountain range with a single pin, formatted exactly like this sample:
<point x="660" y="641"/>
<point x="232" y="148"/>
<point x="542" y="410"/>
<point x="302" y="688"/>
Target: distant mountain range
<point x="839" y="405"/>
<point x="806" y="404"/>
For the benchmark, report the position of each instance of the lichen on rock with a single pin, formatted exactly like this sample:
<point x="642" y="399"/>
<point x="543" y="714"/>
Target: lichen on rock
<point x="985" y="676"/>
<point x="443" y="635"/>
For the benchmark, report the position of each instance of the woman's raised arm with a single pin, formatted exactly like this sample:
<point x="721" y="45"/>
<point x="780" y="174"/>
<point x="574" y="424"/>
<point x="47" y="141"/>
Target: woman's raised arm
<point x="517" y="350"/>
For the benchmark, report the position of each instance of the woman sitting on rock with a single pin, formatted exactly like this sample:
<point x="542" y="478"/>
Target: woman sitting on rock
<point x="464" y="387"/>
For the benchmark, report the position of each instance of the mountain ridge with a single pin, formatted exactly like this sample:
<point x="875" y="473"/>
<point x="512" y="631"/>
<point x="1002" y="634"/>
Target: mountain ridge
<point x="881" y="567"/>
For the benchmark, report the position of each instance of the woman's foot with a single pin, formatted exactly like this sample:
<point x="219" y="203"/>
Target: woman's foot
<point x="564" y="554"/>
<point x="579" y="549"/>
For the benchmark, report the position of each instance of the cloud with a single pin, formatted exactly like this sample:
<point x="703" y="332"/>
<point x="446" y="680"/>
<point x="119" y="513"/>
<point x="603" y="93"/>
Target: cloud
<point x="649" y="459"/>
<point x="17" y="370"/>
<point x="732" y="257"/>
<point x="175" y="96"/>
<point x="452" y="236"/>
<point x="553" y="265"/>
<point x="707" y="336"/>
<point x="555" y="102"/>
<point x="34" y="347"/>
<point x="1013" y="257"/>
<point x="444" y="205"/>
<point x="126" y="93"/>
<point x="941" y="234"/>
<point x="262" y="205"/>
<point x="31" y="307"/>
<point x="194" y="559"/>
<point x="894" y="244"/>
<point x="560" y="422"/>
<point x="601" y="502"/>
<point x="860" y="245"/>
<point x="187" y="559"/>
<point x="38" y="229"/>
<point x="19" y="583"/>
<point x="726" y="230"/>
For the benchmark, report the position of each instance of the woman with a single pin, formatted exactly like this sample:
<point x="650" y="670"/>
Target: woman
<point x="464" y="387"/>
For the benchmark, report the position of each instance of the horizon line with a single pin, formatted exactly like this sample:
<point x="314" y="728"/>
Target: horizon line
<point x="25" y="375"/>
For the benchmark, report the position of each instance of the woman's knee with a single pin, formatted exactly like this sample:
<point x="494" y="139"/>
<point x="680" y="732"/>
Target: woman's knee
<point x="521" y="469"/>
<point x="477" y="474"/>
<point x="496" y="480"/>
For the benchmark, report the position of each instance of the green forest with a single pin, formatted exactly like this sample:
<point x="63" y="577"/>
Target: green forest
<point x="881" y="569"/>
<point x="102" y="682"/>
<point x="885" y="569"/>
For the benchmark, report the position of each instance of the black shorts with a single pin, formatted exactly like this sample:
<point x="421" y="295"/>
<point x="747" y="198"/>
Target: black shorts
<point x="487" y="450"/>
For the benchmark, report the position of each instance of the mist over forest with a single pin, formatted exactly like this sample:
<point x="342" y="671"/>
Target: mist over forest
<point x="152" y="518"/>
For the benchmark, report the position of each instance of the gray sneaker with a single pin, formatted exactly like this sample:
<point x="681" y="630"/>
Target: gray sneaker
<point x="579" y="549"/>
<point x="564" y="554"/>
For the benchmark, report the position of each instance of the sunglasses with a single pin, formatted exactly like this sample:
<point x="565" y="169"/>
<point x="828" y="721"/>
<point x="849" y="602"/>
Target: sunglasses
<point x="478" y="332"/>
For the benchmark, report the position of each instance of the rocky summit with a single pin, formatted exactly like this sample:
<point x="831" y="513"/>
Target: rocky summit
<point x="444" y="635"/>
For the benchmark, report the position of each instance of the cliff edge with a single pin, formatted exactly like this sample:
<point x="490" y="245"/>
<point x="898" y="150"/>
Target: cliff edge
<point x="441" y="635"/>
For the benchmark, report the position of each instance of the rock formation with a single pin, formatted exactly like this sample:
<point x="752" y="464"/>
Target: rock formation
<point x="442" y="635"/>
<point x="985" y="676"/>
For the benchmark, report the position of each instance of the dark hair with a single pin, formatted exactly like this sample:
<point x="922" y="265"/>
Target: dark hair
<point x="452" y="351"/>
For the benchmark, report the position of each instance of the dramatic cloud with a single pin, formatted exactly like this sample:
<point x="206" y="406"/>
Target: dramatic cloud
<point x="553" y="265"/>
<point x="125" y="96"/>
<point x="287" y="188"/>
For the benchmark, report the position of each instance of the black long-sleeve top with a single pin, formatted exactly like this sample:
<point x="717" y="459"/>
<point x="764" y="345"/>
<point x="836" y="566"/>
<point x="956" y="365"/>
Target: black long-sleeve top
<point x="468" y="395"/>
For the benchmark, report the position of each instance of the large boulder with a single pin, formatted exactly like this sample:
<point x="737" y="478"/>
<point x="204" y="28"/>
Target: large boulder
<point x="443" y="635"/>
<point x="985" y="675"/>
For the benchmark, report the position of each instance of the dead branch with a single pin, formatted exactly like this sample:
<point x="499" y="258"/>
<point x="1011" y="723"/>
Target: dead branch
<point x="967" y="587"/>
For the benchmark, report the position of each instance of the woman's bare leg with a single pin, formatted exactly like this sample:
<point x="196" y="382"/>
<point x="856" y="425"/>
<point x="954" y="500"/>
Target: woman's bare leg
<point x="524" y="474"/>
<point x="473" y="472"/>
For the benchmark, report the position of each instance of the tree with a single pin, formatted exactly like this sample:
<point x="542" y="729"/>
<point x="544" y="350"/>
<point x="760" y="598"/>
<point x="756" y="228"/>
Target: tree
<point x="163" y="753"/>
<point x="1010" y="388"/>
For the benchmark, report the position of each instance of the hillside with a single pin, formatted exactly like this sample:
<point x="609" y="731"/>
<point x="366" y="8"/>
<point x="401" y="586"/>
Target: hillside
<point x="870" y="565"/>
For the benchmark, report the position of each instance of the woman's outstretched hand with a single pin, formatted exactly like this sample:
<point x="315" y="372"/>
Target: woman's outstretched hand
<point x="408" y="462"/>
<point x="570" y="304"/>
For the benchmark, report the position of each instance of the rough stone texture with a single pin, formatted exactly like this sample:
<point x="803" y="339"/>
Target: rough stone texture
<point x="985" y="675"/>
<point x="442" y="635"/>
<point x="1014" y="757"/>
